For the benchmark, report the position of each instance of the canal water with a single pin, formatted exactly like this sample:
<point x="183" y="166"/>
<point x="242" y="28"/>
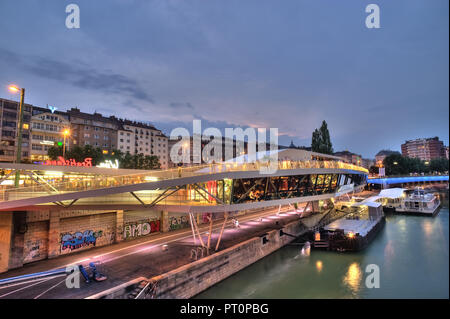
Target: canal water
<point x="412" y="254"/>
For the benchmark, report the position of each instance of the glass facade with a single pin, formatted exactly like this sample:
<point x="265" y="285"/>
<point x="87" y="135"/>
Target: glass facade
<point x="283" y="187"/>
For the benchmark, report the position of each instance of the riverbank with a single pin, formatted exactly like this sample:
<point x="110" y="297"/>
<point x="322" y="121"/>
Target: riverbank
<point x="412" y="253"/>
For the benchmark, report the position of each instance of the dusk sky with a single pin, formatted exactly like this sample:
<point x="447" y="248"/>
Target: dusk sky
<point x="285" y="64"/>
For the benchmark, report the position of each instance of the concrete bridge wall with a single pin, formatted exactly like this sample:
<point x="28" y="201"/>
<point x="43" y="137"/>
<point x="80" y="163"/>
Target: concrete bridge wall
<point x="29" y="236"/>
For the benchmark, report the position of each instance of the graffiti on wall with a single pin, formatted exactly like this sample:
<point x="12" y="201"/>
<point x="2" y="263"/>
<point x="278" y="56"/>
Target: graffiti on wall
<point x="79" y="240"/>
<point x="178" y="222"/>
<point x="141" y="228"/>
<point x="33" y="250"/>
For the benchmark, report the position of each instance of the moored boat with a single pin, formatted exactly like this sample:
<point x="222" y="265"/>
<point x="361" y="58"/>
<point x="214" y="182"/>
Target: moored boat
<point x="419" y="203"/>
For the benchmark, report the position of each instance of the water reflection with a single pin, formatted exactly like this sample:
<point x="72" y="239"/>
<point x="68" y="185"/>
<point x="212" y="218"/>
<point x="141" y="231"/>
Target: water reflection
<point x="389" y="251"/>
<point x="319" y="265"/>
<point x="352" y="279"/>
<point x="427" y="228"/>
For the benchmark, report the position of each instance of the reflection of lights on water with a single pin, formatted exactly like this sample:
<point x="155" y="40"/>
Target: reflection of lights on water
<point x="402" y="225"/>
<point x="389" y="251"/>
<point x="319" y="265"/>
<point x="353" y="277"/>
<point x="427" y="228"/>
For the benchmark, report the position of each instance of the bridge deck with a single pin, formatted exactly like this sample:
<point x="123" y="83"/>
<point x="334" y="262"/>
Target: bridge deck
<point x="151" y="184"/>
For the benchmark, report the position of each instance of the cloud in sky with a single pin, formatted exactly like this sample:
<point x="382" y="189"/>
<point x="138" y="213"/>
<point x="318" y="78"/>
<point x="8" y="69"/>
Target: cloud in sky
<point x="287" y="64"/>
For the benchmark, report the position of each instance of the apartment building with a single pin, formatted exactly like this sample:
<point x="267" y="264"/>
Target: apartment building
<point x="424" y="148"/>
<point x="92" y="129"/>
<point x="9" y="115"/>
<point x="141" y="138"/>
<point x="46" y="131"/>
<point x="43" y="128"/>
<point x="233" y="146"/>
<point x="349" y="157"/>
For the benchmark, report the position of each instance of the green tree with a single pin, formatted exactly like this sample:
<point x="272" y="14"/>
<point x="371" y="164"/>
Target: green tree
<point x="54" y="152"/>
<point x="321" y="141"/>
<point x="439" y="165"/>
<point x="76" y="153"/>
<point x="137" y="161"/>
<point x="95" y="153"/>
<point x="396" y="164"/>
<point x="151" y="162"/>
<point x="127" y="161"/>
<point x="315" y="141"/>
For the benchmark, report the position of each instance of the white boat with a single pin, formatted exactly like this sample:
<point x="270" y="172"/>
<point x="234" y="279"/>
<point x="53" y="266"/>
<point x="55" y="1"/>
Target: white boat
<point x="419" y="202"/>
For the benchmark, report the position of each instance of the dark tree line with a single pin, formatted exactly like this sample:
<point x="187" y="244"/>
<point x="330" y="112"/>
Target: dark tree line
<point x="397" y="164"/>
<point x="126" y="160"/>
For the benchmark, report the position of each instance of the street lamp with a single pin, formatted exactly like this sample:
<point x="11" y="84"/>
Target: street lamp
<point x="66" y="133"/>
<point x="15" y="89"/>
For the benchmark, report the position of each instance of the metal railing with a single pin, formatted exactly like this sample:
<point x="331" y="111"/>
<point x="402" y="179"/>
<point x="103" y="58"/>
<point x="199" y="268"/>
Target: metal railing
<point x="99" y="182"/>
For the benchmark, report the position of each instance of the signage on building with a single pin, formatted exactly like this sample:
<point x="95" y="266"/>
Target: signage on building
<point x="109" y="164"/>
<point x="52" y="108"/>
<point x="47" y="143"/>
<point x="69" y="162"/>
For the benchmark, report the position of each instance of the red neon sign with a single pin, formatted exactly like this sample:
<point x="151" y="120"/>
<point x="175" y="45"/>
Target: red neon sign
<point x="70" y="162"/>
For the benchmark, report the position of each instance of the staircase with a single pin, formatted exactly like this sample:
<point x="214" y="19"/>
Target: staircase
<point x="321" y="244"/>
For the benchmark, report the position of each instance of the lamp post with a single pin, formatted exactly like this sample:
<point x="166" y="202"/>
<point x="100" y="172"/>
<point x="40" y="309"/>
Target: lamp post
<point x="15" y="89"/>
<point x="66" y="132"/>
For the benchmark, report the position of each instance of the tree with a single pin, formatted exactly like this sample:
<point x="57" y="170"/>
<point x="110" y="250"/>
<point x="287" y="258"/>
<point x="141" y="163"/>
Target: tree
<point x="54" y="152"/>
<point x="373" y="169"/>
<point x="151" y="162"/>
<point x="321" y="141"/>
<point x="396" y="164"/>
<point x="78" y="153"/>
<point x="315" y="142"/>
<point x="127" y="161"/>
<point x="439" y="165"/>
<point x="95" y="153"/>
